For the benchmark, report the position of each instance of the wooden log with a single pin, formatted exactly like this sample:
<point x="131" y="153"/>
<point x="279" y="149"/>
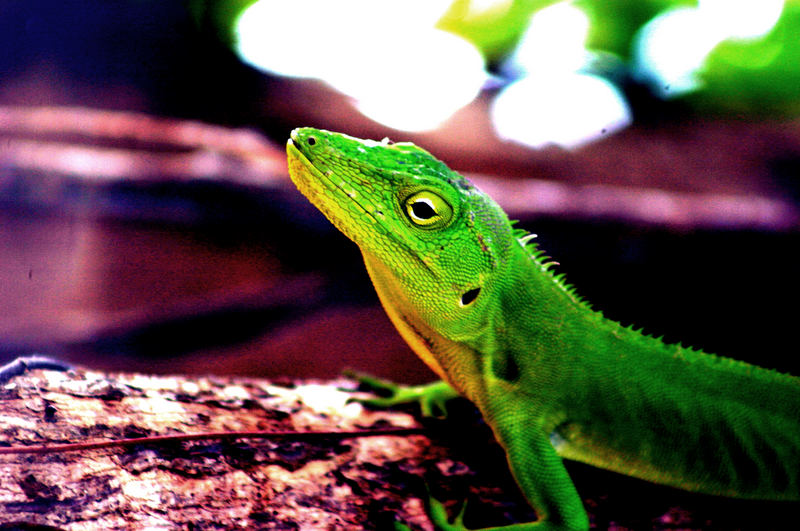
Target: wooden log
<point x="357" y="483"/>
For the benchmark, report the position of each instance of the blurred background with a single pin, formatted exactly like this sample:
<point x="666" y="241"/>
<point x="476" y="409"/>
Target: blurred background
<point x="147" y="222"/>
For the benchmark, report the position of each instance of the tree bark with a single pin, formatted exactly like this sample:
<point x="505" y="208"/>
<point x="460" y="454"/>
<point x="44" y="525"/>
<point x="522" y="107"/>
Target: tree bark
<point x="249" y="483"/>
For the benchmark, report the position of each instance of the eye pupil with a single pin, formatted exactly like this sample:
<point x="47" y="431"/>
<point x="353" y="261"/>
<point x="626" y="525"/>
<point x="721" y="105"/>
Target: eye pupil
<point x="423" y="209"/>
<point x="427" y="210"/>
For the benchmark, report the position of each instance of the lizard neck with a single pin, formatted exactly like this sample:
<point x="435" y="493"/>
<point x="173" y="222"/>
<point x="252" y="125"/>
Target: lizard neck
<point x="455" y="362"/>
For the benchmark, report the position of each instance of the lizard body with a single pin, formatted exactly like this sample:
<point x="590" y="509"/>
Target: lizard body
<point x="552" y="377"/>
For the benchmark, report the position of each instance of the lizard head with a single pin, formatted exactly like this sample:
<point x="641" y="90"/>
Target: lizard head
<point x="433" y="243"/>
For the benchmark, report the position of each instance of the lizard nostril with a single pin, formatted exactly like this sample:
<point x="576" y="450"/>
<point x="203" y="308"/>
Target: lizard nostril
<point x="311" y="141"/>
<point x="470" y="296"/>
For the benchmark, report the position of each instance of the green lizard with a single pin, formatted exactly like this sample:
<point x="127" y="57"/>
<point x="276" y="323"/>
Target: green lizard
<point x="477" y="301"/>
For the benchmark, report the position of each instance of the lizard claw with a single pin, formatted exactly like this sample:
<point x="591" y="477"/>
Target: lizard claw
<point x="438" y="515"/>
<point x="431" y="398"/>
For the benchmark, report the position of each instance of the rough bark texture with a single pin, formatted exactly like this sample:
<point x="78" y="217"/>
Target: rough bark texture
<point x="328" y="484"/>
<point x="358" y="483"/>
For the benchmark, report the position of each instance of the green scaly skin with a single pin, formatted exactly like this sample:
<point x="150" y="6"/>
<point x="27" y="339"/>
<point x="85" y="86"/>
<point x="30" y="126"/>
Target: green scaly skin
<point x="552" y="377"/>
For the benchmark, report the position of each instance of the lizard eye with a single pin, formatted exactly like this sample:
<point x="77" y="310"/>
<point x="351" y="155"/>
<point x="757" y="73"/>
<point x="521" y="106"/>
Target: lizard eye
<point x="428" y="210"/>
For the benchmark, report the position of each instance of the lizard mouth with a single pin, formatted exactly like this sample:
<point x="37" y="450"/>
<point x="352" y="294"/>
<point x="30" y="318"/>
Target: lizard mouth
<point x="339" y="202"/>
<point x="314" y="183"/>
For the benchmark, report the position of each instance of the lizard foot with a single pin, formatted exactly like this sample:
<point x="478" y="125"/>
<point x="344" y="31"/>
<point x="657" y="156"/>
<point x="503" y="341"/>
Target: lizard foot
<point x="432" y="397"/>
<point x="438" y="516"/>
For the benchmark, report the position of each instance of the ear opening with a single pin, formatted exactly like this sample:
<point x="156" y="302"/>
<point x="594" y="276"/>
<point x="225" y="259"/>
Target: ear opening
<point x="469" y="296"/>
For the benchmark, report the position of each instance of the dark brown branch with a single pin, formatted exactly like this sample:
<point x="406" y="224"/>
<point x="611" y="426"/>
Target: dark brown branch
<point x="224" y="435"/>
